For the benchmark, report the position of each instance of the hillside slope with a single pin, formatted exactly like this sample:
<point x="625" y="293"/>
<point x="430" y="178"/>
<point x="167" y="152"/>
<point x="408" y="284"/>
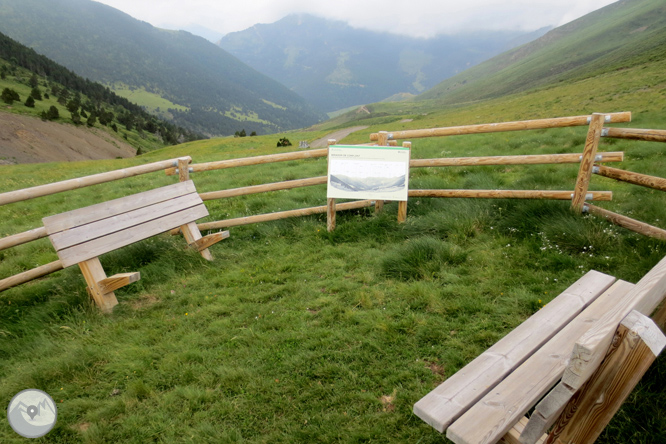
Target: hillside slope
<point x="335" y="66"/>
<point x="621" y="35"/>
<point x="30" y="140"/>
<point x="207" y="89"/>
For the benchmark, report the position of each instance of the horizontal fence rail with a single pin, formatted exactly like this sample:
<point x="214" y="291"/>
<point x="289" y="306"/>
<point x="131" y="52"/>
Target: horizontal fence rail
<point x="510" y="194"/>
<point x="644" y="180"/>
<point x="255" y="189"/>
<point x="81" y="182"/>
<point x="535" y="159"/>
<point x="626" y="222"/>
<point x="248" y="161"/>
<point x="559" y="122"/>
<point x="29" y="275"/>
<point x="279" y="215"/>
<point x="22" y="238"/>
<point x="649" y="135"/>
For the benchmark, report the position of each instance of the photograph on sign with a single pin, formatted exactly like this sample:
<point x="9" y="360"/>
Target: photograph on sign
<point x="368" y="172"/>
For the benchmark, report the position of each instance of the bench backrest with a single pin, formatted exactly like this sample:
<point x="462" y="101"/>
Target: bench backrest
<point x="91" y="231"/>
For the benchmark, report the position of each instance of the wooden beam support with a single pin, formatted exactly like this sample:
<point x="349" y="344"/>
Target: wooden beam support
<point x="330" y="215"/>
<point x="637" y="343"/>
<point x="93" y="273"/>
<point x="117" y="281"/>
<point x="589" y="153"/>
<point x="192" y="235"/>
<point x="207" y="241"/>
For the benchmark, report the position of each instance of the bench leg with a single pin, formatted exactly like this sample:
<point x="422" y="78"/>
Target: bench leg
<point x="192" y="235"/>
<point x="93" y="273"/>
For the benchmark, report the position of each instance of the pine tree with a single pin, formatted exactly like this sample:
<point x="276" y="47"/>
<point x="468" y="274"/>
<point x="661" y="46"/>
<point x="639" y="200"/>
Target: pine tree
<point x="30" y="102"/>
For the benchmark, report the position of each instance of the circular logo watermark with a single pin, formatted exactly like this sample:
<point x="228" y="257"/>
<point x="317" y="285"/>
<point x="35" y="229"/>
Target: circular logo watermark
<point x="32" y="413"/>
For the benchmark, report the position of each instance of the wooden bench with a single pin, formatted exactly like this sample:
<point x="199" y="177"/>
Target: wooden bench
<point x="487" y="400"/>
<point x="81" y="236"/>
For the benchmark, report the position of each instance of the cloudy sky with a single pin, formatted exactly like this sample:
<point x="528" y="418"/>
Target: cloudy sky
<point x="419" y="18"/>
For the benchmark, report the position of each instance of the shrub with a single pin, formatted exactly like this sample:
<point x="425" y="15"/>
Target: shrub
<point x="9" y="96"/>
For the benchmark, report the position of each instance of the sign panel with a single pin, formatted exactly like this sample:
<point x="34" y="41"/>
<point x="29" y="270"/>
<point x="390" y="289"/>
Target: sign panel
<point x="368" y="172"/>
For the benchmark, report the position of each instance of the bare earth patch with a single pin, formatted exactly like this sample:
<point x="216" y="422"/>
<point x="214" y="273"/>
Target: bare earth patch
<point x="25" y="139"/>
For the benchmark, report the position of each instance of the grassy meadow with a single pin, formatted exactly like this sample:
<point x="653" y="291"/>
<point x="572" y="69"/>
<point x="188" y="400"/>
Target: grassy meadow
<point x="294" y="334"/>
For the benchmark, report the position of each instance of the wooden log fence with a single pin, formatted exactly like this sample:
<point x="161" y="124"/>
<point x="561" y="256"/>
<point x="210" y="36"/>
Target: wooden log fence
<point x="588" y="160"/>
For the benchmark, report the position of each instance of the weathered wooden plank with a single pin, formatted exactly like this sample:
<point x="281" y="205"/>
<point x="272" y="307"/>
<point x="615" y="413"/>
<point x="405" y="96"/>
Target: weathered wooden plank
<point x="459" y="392"/>
<point x="85" y="233"/>
<point x="101" y="245"/>
<point x="85" y="215"/>
<point x="496" y="413"/>
<point x="637" y="343"/>
<point x="112" y="283"/>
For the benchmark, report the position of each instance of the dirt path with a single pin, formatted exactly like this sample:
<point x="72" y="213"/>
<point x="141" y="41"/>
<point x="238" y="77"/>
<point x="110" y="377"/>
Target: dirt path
<point x="337" y="135"/>
<point x="25" y="139"/>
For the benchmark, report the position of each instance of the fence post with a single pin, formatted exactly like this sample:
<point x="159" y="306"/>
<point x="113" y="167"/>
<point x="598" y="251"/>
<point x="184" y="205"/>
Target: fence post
<point x="330" y="204"/>
<point x="383" y="140"/>
<point x="184" y="169"/>
<point x="587" y="162"/>
<point x="402" y="205"/>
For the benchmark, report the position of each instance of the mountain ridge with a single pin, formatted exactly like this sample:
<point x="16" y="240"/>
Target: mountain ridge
<point x="220" y="93"/>
<point x="335" y="66"/>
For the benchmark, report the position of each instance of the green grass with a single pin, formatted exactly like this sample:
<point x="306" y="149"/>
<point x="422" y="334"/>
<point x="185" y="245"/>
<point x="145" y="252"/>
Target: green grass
<point x="153" y="102"/>
<point x="294" y="334"/>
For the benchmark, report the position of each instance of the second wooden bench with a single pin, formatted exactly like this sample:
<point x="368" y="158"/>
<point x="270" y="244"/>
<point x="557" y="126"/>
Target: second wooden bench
<point x="81" y="236"/>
